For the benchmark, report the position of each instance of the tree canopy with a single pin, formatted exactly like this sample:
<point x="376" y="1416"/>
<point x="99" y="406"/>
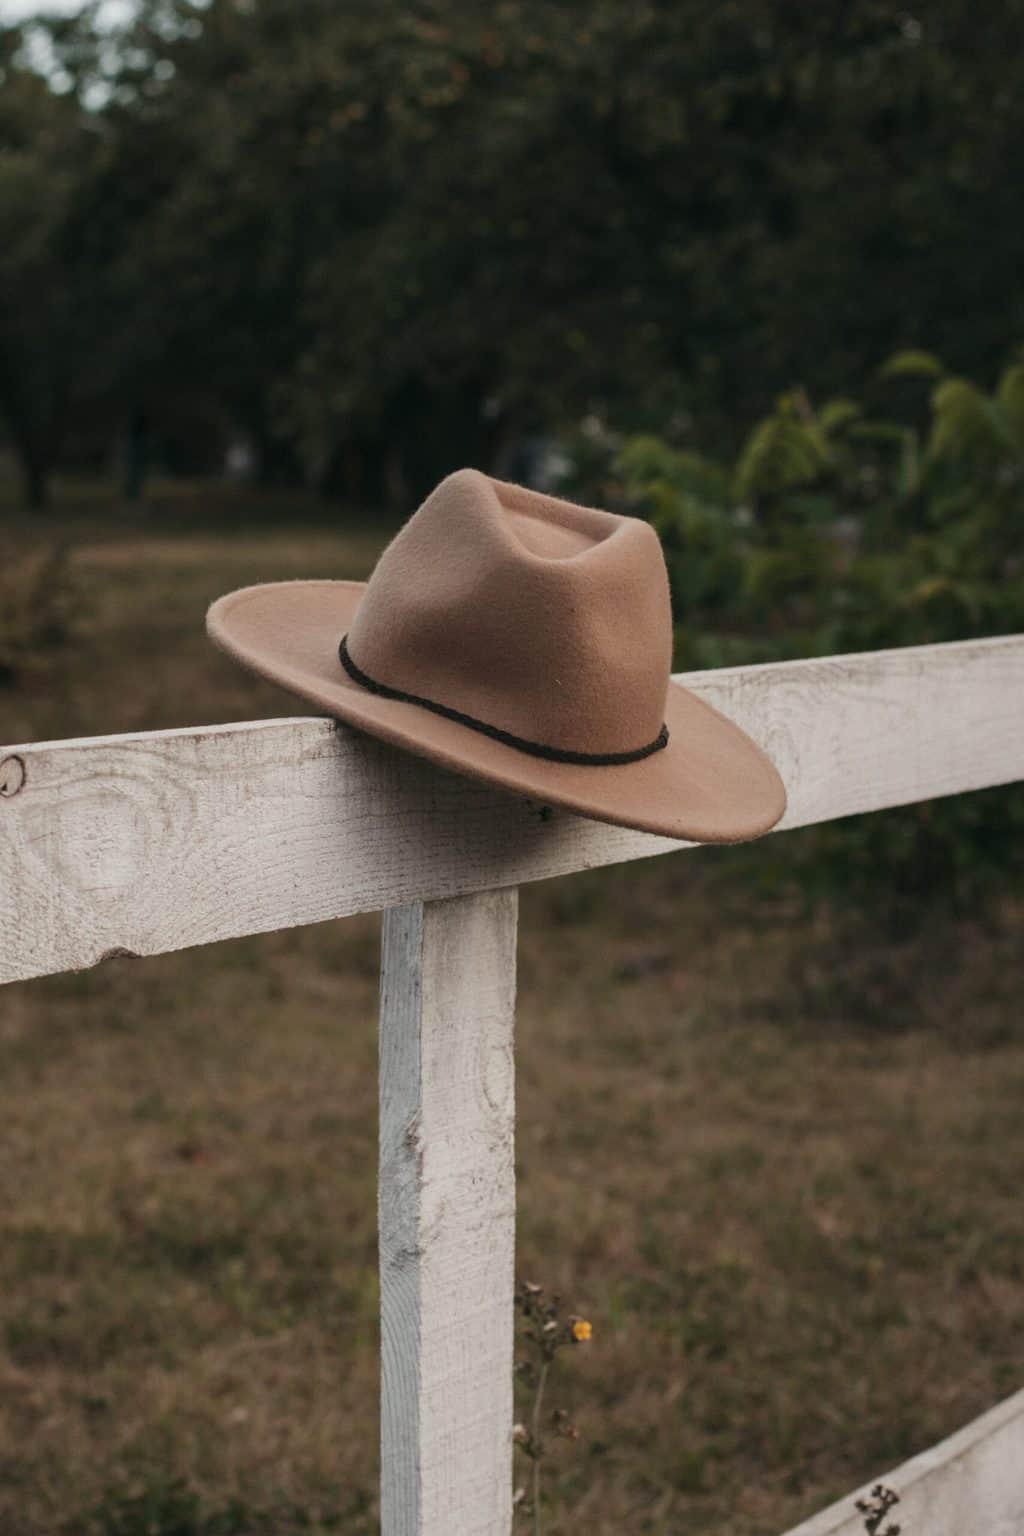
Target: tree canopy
<point x="383" y="239"/>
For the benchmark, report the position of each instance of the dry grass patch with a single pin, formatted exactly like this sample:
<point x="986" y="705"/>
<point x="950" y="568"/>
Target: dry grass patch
<point x="777" y="1170"/>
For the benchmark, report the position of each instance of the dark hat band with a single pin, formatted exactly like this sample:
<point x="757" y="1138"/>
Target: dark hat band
<point x="534" y="748"/>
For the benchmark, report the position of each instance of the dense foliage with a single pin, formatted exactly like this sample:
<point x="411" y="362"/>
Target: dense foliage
<point x="839" y="528"/>
<point x="383" y="239"/>
<point x="836" y="529"/>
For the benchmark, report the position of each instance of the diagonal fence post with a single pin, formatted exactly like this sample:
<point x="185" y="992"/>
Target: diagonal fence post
<point x="446" y="1213"/>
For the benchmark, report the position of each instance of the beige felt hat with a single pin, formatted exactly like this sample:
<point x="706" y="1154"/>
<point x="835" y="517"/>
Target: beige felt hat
<point x="524" y="641"/>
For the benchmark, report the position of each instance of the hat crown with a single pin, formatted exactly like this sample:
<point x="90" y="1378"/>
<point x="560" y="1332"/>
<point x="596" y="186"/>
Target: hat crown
<point x="546" y="620"/>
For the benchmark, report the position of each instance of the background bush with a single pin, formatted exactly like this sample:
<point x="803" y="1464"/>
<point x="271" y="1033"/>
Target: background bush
<point x="846" y="527"/>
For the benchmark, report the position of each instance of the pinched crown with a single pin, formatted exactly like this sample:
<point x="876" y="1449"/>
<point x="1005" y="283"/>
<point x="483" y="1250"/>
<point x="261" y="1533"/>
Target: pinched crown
<point x="549" y="621"/>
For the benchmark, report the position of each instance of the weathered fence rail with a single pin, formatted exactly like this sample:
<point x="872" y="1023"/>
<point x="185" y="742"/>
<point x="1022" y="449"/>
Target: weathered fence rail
<point x="969" y="1485"/>
<point x="146" y="843"/>
<point x="168" y="839"/>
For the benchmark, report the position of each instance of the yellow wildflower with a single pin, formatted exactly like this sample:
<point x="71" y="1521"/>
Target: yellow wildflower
<point x="582" y="1331"/>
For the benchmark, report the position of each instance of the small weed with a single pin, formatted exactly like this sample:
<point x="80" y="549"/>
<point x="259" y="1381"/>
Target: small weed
<point x="545" y="1331"/>
<point x="876" y="1508"/>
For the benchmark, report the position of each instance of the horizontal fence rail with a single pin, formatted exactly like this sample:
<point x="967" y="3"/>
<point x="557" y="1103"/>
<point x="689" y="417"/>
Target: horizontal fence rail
<point x="154" y="842"/>
<point x="968" y="1485"/>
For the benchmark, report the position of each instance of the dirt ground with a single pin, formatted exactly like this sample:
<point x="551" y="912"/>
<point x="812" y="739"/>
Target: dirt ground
<point x="795" y="1224"/>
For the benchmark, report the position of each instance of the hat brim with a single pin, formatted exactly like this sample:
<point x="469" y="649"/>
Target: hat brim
<point x="710" y="784"/>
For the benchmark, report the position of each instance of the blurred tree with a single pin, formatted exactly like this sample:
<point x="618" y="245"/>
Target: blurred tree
<point x="385" y="238"/>
<point x="667" y="210"/>
<point x="81" y="338"/>
<point x="49" y="284"/>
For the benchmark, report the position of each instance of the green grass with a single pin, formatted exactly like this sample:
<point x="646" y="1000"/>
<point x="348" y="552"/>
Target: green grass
<point x="778" y="1173"/>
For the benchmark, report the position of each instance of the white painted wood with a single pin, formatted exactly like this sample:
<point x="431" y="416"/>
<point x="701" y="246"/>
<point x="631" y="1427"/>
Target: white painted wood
<point x="446" y="1209"/>
<point x="159" y="841"/>
<point x="969" y="1485"/>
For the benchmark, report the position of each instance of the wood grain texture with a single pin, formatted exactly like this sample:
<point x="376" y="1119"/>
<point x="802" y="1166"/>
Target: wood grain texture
<point x="968" y="1485"/>
<point x="447" y="1216"/>
<point x="155" y="842"/>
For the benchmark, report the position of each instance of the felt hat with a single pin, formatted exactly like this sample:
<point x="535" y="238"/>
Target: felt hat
<point x="521" y="640"/>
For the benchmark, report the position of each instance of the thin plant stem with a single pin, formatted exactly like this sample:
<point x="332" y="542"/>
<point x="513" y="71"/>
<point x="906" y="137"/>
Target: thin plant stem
<point x="534" y="1433"/>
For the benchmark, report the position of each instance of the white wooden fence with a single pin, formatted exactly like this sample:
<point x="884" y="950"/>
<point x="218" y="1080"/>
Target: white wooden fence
<point x="146" y="843"/>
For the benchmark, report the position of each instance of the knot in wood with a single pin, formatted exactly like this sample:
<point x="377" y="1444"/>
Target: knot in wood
<point x="12" y="775"/>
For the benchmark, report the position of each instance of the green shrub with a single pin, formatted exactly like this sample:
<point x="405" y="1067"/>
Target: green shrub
<point x="843" y="529"/>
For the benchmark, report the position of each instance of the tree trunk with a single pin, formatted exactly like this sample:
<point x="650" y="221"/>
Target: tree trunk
<point x="34" y="479"/>
<point x="34" y="450"/>
<point x="136" y="456"/>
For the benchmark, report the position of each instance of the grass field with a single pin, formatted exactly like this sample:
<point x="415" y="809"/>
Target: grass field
<point x="788" y="1199"/>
